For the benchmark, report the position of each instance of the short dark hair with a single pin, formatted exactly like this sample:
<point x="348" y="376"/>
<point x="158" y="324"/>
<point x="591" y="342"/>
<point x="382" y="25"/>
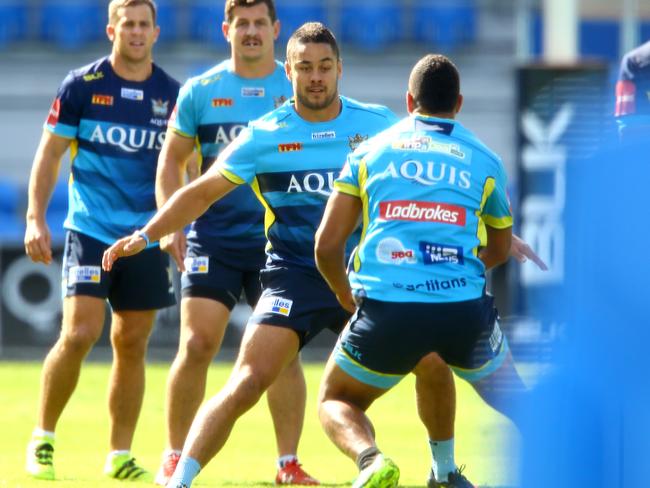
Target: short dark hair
<point x="115" y="5"/>
<point x="231" y="4"/>
<point x="312" y="32"/>
<point x="434" y="84"/>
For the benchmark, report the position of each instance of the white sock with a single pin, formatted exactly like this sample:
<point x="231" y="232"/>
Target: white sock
<point x="38" y="432"/>
<point x="284" y="460"/>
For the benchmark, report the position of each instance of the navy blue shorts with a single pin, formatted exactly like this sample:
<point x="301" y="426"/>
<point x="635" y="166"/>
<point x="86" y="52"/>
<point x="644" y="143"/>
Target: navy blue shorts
<point x="384" y="341"/>
<point x="206" y="276"/>
<point x="140" y="282"/>
<point x="298" y="299"/>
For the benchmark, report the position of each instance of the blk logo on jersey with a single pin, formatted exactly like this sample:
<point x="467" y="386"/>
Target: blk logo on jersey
<point x="289" y="147"/>
<point x="222" y="102"/>
<point x="55" y="110"/>
<point x="429" y="173"/>
<point x="93" y="76"/>
<point x="434" y="253"/>
<point x="416" y="211"/>
<point x="197" y="265"/>
<point x="84" y="274"/>
<point x="102" y="100"/>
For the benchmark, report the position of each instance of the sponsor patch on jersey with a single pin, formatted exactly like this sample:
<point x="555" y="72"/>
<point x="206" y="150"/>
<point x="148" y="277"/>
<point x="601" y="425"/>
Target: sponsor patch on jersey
<point x="277" y="101"/>
<point x="93" y="76"/>
<point x="102" y="99"/>
<point x="252" y="91"/>
<point x="391" y="251"/>
<point x="416" y="211"/>
<point x="222" y="102"/>
<point x="53" y="115"/>
<point x="160" y="108"/>
<point x="319" y="136"/>
<point x="290" y="146"/>
<point x="354" y="141"/>
<point x="132" y="94"/>
<point x="427" y="144"/>
<point x="197" y="265"/>
<point x="84" y="274"/>
<point x="276" y="305"/>
<point x="435" y="253"/>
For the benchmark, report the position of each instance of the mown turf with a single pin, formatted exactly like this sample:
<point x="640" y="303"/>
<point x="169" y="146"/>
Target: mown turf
<point x="249" y="456"/>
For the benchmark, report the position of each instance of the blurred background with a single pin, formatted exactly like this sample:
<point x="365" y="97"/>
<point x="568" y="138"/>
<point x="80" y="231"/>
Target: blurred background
<point x="537" y="77"/>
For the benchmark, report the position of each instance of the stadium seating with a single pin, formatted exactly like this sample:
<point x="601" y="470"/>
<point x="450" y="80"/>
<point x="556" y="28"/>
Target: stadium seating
<point x="12" y="227"/>
<point x="294" y="13"/>
<point x="13" y="21"/>
<point x="71" y="24"/>
<point x="445" y="24"/>
<point x="372" y="25"/>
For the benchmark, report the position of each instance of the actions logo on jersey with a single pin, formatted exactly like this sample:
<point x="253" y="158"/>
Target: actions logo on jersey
<point x="55" y="110"/>
<point x="391" y="251"/>
<point x="434" y="253"/>
<point x="197" y="265"/>
<point x="355" y="140"/>
<point x="84" y="274"/>
<point x="275" y="305"/>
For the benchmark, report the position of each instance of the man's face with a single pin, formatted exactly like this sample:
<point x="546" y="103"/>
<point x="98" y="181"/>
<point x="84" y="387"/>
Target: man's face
<point x="134" y="33"/>
<point x="251" y="32"/>
<point x="314" y="72"/>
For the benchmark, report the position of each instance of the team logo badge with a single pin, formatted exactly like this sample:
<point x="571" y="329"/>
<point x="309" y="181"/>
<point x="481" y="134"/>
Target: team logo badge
<point x="159" y="108"/>
<point x="277" y="101"/>
<point x="106" y="100"/>
<point x="355" y="140"/>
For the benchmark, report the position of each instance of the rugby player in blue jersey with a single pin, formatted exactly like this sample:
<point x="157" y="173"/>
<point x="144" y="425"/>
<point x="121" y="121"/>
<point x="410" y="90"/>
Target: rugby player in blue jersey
<point x="225" y="246"/>
<point x="112" y="114"/>
<point x="432" y="199"/>
<point x="632" y="94"/>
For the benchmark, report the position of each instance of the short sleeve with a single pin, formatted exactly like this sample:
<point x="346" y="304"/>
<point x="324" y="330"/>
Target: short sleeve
<point x="66" y="110"/>
<point x="348" y="180"/>
<point x="184" y="119"/>
<point x="496" y="212"/>
<point x="238" y="162"/>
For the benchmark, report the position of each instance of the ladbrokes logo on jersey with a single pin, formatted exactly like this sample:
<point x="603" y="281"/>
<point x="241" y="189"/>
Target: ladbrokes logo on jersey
<point x="290" y="146"/>
<point x="102" y="100"/>
<point x="416" y="211"/>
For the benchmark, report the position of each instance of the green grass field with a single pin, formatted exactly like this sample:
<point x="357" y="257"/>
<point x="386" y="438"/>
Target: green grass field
<point x="483" y="438"/>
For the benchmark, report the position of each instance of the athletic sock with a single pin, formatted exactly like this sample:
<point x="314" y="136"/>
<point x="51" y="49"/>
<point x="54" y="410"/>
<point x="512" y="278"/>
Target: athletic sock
<point x="40" y="433"/>
<point x="284" y="460"/>
<point x="186" y="471"/>
<point x="366" y="457"/>
<point x="442" y="454"/>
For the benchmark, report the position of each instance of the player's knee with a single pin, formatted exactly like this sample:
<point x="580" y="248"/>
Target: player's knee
<point x="248" y="386"/>
<point x="79" y="338"/>
<point x="432" y="368"/>
<point x="199" y="347"/>
<point x="129" y="341"/>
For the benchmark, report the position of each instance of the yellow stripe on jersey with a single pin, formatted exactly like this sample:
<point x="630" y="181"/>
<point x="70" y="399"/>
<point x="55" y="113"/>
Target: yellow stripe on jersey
<point x="363" y="182"/>
<point x="347" y="188"/>
<point x="182" y="134"/>
<point x="199" y="158"/>
<point x="232" y="177"/>
<point x="498" y="222"/>
<point x="269" y="216"/>
<point x="488" y="188"/>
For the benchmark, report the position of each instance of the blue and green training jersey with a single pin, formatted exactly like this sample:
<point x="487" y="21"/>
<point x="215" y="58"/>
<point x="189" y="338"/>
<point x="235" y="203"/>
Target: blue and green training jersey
<point x="214" y="108"/>
<point x="291" y="164"/>
<point x="117" y="128"/>
<point x="428" y="188"/>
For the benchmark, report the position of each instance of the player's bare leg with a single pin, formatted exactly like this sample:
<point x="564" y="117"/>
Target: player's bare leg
<point x="130" y="332"/>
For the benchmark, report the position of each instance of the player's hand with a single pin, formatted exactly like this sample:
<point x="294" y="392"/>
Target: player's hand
<point x="347" y="301"/>
<point x="522" y="252"/>
<point x="126" y="246"/>
<point x="176" y="246"/>
<point x="38" y="241"/>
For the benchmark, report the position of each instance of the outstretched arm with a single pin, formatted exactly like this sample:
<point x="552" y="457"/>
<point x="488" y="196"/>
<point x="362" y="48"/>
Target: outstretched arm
<point x="339" y="221"/>
<point x="182" y="208"/>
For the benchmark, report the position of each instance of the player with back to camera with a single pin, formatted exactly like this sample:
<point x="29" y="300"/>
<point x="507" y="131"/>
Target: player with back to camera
<point x="432" y="199"/>
<point x="225" y="246"/>
<point x="112" y="114"/>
